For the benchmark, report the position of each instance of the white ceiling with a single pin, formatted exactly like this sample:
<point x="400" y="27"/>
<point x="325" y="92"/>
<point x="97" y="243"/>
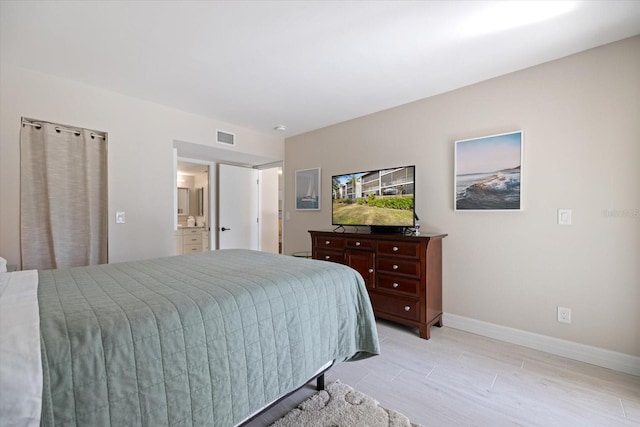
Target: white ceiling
<point x="304" y="64"/>
<point x="188" y="168"/>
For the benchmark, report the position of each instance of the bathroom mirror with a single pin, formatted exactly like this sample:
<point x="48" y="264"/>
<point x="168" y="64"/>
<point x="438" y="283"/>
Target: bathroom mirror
<point x="183" y="201"/>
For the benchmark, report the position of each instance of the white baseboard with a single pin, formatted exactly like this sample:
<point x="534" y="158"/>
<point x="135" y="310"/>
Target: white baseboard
<point x="622" y="362"/>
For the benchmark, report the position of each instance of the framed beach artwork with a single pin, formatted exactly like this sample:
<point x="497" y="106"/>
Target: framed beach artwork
<point x="308" y="189"/>
<point x="488" y="173"/>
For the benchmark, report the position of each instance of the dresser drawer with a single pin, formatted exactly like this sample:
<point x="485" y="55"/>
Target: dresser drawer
<point x="405" y="249"/>
<point x="193" y="239"/>
<point x="398" y="306"/>
<point x="398" y="266"/>
<point x="400" y="285"/>
<point x="333" y="256"/>
<point x="360" y="244"/>
<point x="191" y="231"/>
<point x="329" y="243"/>
<point x="188" y="249"/>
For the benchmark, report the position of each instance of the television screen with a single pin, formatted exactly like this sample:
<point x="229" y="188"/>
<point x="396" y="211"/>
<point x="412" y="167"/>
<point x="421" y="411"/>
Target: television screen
<point x="379" y="198"/>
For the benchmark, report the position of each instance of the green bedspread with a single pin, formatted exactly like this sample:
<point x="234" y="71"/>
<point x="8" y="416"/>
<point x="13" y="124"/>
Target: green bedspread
<point x="197" y="340"/>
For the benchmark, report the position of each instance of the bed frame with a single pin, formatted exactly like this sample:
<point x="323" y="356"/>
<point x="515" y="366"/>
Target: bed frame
<point x="319" y="386"/>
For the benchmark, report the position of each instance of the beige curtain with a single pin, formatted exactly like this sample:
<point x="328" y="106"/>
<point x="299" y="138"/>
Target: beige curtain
<point x="63" y="196"/>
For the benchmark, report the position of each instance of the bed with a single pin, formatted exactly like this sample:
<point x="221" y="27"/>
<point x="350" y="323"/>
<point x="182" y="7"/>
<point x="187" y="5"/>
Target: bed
<point x="205" y="339"/>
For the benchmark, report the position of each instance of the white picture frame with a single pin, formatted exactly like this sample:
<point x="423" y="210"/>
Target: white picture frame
<point x="488" y="173"/>
<point x="307" y="191"/>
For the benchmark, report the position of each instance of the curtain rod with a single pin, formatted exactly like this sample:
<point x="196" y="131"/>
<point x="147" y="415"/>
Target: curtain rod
<point x="61" y="129"/>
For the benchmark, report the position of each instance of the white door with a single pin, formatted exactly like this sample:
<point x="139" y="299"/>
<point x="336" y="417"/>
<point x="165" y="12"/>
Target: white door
<point x="237" y="207"/>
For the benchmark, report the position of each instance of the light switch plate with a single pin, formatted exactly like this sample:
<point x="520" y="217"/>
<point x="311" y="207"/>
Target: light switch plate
<point x="564" y="216"/>
<point x="120" y="218"/>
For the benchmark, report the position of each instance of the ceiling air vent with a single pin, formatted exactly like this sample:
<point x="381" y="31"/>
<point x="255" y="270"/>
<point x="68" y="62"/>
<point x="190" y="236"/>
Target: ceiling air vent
<point x="225" y="137"/>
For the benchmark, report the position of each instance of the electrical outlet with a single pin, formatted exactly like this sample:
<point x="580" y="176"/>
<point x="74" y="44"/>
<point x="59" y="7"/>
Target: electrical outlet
<point x="564" y="315"/>
<point x="120" y="218"/>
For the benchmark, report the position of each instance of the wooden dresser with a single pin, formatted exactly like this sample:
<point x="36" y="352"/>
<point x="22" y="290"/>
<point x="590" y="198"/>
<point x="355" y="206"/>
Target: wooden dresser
<point x="403" y="274"/>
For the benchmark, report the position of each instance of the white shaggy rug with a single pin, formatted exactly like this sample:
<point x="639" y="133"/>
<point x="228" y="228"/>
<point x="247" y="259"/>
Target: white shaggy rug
<point x="341" y="406"/>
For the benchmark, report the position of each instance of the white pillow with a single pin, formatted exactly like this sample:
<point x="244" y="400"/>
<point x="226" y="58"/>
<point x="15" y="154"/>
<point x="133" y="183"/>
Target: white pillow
<point x="3" y="265"/>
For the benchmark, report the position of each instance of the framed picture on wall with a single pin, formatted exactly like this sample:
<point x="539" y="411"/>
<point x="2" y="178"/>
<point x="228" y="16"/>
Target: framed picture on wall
<point x="308" y="189"/>
<point x="488" y="173"/>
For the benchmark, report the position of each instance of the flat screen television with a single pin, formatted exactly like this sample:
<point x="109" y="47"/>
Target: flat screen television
<point x="382" y="199"/>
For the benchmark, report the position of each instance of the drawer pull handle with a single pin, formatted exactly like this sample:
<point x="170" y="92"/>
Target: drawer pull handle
<point x="371" y="270"/>
<point x="407" y="308"/>
<point x="328" y="242"/>
<point x="395" y="266"/>
<point x="357" y="243"/>
<point x="194" y="240"/>
<point x="395" y="249"/>
<point x="395" y="285"/>
<point x="327" y="257"/>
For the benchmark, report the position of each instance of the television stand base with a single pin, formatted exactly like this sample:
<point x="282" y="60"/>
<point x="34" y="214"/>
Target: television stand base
<point x="385" y="229"/>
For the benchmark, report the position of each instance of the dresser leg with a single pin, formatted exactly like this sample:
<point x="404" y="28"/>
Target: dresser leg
<point x="424" y="332"/>
<point x="438" y="323"/>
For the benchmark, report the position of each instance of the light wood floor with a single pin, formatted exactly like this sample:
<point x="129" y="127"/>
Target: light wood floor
<point x="461" y="379"/>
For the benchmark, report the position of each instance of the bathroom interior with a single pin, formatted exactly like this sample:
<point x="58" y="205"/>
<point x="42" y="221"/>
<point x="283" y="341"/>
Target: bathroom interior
<point x="193" y="193"/>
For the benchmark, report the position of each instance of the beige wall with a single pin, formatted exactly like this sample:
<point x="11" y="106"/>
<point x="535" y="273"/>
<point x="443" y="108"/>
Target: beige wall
<point x="141" y="136"/>
<point x="581" y="121"/>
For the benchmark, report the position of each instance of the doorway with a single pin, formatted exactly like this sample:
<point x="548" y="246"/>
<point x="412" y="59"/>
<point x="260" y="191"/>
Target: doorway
<point x="192" y="206"/>
<point x="193" y="193"/>
<point x="268" y="202"/>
